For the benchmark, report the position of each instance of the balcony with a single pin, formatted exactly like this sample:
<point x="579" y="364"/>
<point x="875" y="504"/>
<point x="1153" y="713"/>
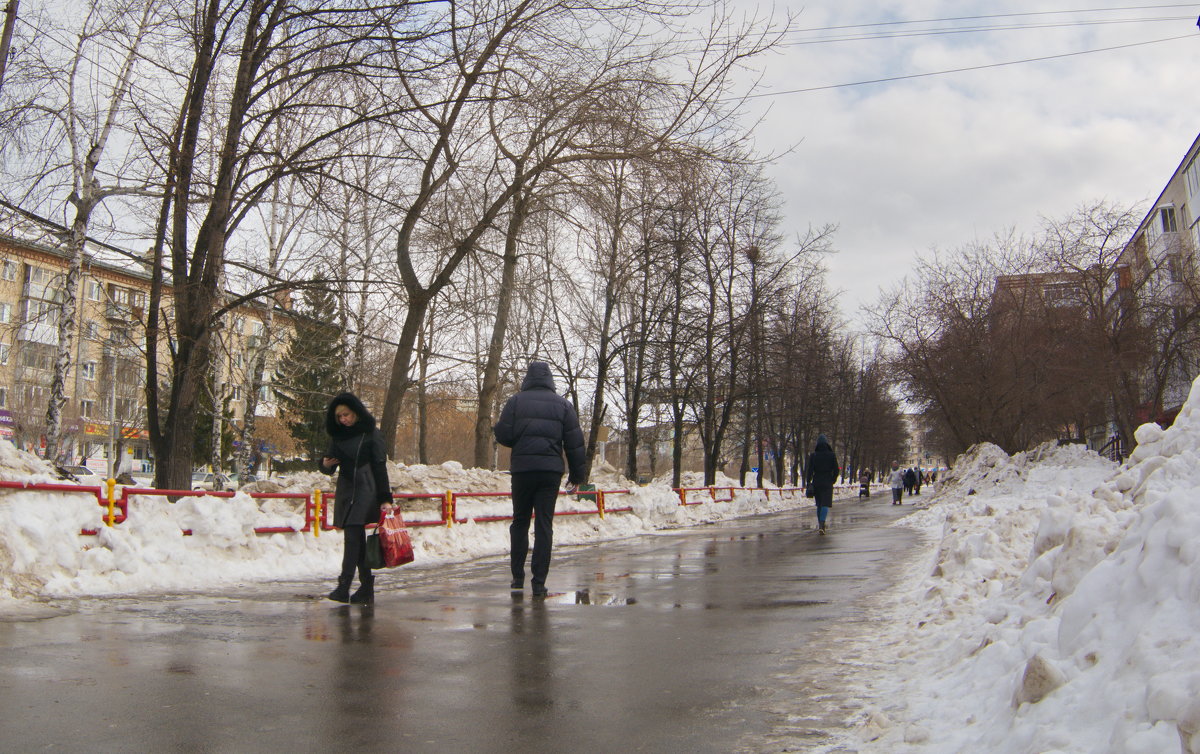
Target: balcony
<point x="43" y="292"/>
<point x="123" y="313"/>
<point x="45" y="333"/>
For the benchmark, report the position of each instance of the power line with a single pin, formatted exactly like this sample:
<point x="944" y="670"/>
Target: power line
<point x="969" y="68"/>
<point x="996" y="15"/>
<point x="908" y="34"/>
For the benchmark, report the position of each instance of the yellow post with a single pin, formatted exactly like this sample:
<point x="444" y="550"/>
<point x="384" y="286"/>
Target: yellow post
<point x="316" y="513"/>
<point x="600" y="502"/>
<point x="449" y="508"/>
<point x="112" y="484"/>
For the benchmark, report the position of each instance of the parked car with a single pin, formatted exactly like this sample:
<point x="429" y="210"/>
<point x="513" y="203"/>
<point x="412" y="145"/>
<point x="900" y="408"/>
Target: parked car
<point x="82" y="474"/>
<point x="210" y="481"/>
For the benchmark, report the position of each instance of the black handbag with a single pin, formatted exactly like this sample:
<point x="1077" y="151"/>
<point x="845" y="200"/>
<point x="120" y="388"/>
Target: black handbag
<point x="374" y="552"/>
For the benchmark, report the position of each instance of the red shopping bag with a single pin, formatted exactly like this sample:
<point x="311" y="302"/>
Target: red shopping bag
<point x="394" y="540"/>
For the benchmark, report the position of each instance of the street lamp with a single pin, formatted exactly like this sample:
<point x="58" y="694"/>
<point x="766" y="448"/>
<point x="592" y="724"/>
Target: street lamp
<point x="112" y="406"/>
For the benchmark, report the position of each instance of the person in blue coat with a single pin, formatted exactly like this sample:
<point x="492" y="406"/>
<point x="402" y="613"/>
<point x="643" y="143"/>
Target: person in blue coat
<point x="820" y="474"/>
<point x="356" y="451"/>
<point x="540" y="426"/>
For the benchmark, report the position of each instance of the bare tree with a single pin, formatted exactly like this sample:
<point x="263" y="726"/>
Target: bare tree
<point x="279" y="52"/>
<point x="1139" y="326"/>
<point x="6" y="34"/>
<point x="82" y="101"/>
<point x="623" y="108"/>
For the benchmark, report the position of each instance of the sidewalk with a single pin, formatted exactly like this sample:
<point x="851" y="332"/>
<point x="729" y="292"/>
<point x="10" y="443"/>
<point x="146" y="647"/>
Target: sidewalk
<point x="681" y="641"/>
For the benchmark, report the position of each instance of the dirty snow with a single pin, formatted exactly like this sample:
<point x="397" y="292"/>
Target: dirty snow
<point x="43" y="554"/>
<point x="1056" y="609"/>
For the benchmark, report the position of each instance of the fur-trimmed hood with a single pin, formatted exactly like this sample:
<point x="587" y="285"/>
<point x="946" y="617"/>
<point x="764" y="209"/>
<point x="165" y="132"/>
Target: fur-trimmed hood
<point x="365" y="423"/>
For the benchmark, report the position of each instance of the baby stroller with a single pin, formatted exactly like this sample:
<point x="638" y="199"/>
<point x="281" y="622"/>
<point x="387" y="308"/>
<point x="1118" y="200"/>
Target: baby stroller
<point x="864" y="485"/>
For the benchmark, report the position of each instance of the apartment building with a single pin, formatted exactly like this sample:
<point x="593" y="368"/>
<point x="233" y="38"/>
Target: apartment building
<point x="104" y="419"/>
<point x="1158" y="268"/>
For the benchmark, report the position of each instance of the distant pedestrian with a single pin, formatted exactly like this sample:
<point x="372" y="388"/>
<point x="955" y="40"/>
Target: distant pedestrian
<point x="909" y="480"/>
<point x="540" y="426"/>
<point x="820" y="473"/>
<point x="917" y="480"/>
<point x="897" y="482"/>
<point x="356" y="450"/>
<point x="864" y="484"/>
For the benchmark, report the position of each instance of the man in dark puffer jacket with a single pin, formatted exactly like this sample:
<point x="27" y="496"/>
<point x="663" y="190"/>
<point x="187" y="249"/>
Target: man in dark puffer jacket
<point x="539" y="425"/>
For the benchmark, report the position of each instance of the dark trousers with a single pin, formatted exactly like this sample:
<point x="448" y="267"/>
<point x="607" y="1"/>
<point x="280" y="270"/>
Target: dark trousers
<point x="354" y="554"/>
<point x="533" y="492"/>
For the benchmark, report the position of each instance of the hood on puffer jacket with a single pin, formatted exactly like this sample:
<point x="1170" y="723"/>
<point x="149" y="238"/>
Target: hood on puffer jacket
<point x="823" y="443"/>
<point x="538" y="376"/>
<point x="365" y="423"/>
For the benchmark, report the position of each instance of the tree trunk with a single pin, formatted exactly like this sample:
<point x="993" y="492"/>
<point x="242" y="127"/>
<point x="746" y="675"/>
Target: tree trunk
<point x="423" y="402"/>
<point x="602" y="360"/>
<point x="490" y="385"/>
<point x="66" y="332"/>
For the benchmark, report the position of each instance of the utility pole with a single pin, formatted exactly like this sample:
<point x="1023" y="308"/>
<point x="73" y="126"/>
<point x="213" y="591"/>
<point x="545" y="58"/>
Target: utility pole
<point x="10" y="20"/>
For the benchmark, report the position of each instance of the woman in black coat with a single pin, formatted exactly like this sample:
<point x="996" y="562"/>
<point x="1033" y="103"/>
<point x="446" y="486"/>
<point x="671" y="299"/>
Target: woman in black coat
<point x="820" y="473"/>
<point x="356" y="451"/>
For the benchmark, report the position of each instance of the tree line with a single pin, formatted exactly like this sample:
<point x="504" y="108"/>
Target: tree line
<point x="449" y="189"/>
<point x="1071" y="332"/>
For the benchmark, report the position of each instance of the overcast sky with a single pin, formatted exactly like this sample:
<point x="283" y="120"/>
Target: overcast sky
<point x="906" y="166"/>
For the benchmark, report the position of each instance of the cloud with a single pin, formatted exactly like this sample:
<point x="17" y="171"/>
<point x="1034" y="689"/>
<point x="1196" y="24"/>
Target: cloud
<point x="940" y="161"/>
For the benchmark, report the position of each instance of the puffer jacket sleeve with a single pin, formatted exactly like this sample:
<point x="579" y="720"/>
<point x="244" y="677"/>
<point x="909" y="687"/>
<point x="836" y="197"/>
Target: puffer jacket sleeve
<point x="505" y="430"/>
<point x="574" y="447"/>
<point x="383" y="487"/>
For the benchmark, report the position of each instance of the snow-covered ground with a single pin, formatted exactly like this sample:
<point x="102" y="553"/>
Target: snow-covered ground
<point x="44" y="556"/>
<point x="1055" y="608"/>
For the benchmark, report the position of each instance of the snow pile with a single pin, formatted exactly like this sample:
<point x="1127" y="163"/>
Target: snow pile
<point x="1060" y="609"/>
<point x="19" y="466"/>
<point x="44" y="555"/>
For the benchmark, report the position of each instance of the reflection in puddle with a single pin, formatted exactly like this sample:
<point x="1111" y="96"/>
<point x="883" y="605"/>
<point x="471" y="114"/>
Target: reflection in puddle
<point x="590" y="598"/>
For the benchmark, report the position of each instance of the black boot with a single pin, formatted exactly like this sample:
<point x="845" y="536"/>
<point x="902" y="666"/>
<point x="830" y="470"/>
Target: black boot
<point x="365" y="595"/>
<point x="342" y="593"/>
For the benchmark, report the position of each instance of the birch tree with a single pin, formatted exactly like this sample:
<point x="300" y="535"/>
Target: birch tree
<point x="82" y="105"/>
<point x="299" y="54"/>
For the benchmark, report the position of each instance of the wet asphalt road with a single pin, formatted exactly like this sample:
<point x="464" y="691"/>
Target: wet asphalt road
<point x="664" y="643"/>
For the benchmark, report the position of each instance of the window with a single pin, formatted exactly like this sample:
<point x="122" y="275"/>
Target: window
<point x="1192" y="173"/>
<point x="91" y="330"/>
<point x="1167" y="216"/>
<point x="41" y="311"/>
<point x="236" y="393"/>
<point x="87" y="408"/>
<point x="3" y="353"/>
<point x="95" y="291"/>
<point x="34" y="395"/>
<point x="43" y="283"/>
<point x="1124" y="277"/>
<point x="3" y="397"/>
<point x="88" y="370"/>
<point x="5" y="312"/>
<point x="37" y="356"/>
<point x="8" y="269"/>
